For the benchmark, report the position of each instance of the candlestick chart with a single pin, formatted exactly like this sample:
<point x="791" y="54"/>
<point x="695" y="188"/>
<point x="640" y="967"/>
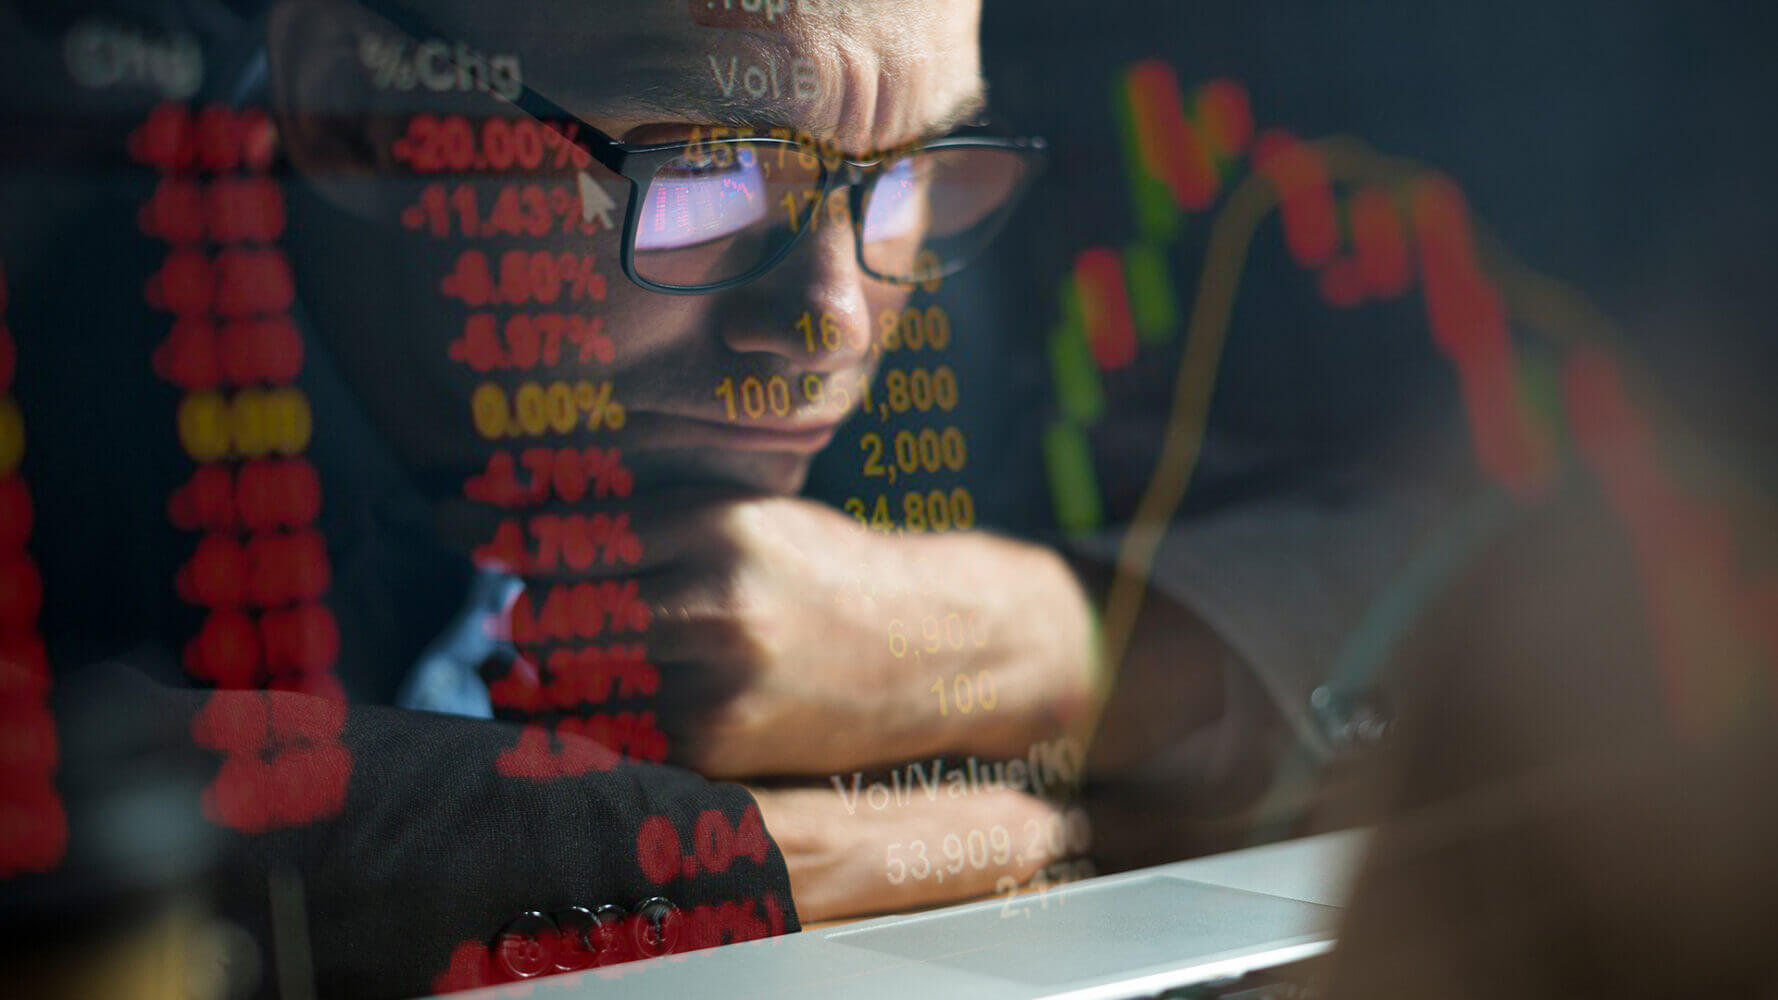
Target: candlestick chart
<point x="1366" y="227"/>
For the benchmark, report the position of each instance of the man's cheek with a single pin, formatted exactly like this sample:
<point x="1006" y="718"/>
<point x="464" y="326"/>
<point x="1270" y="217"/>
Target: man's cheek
<point x="649" y="329"/>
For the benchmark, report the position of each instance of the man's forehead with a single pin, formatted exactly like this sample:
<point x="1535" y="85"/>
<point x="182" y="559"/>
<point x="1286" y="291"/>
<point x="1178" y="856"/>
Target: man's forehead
<point x="867" y="74"/>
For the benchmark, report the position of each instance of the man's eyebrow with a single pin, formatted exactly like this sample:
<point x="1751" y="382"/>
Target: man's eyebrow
<point x="672" y="97"/>
<point x="964" y="110"/>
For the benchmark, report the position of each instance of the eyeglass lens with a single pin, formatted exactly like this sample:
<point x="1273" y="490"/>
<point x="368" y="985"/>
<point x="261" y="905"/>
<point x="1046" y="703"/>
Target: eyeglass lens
<point x="719" y="212"/>
<point x="935" y="210"/>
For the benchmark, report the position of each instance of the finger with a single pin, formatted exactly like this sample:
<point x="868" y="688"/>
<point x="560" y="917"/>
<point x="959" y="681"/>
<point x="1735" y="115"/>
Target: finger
<point x="849" y="861"/>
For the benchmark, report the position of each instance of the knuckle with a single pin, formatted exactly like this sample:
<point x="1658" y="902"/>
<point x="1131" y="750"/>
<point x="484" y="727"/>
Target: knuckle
<point x="725" y="610"/>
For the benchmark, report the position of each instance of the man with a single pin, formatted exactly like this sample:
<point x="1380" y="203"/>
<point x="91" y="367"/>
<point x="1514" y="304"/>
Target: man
<point x="422" y="852"/>
<point x="743" y="576"/>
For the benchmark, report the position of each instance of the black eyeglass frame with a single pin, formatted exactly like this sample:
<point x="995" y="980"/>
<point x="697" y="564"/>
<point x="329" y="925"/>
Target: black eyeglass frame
<point x="639" y="163"/>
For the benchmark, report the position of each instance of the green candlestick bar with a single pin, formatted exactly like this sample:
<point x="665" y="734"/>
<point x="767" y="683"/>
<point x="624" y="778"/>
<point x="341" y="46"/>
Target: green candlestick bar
<point x="1074" y="487"/>
<point x="1078" y="389"/>
<point x="1157" y="218"/>
<point x="1151" y="292"/>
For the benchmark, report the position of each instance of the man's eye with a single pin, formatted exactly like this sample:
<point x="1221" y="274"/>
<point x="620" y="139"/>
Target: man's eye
<point x="700" y="161"/>
<point x="689" y="204"/>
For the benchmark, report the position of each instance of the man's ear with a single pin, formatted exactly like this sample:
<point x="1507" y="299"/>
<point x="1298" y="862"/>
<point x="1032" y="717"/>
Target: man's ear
<point x="339" y="131"/>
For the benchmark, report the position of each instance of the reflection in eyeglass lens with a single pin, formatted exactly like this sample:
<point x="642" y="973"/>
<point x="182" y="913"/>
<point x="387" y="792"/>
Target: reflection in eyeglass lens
<point x="689" y="204"/>
<point x="898" y="201"/>
<point x="939" y="205"/>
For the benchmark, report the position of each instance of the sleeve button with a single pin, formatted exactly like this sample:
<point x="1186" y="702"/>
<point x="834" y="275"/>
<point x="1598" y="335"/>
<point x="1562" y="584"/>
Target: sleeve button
<point x="605" y="939"/>
<point x="657" y="926"/>
<point x="527" y="947"/>
<point x="573" y="949"/>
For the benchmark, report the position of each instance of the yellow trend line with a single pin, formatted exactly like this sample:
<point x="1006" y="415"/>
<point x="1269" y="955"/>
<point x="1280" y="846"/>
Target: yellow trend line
<point x="1231" y="235"/>
<point x="1542" y="304"/>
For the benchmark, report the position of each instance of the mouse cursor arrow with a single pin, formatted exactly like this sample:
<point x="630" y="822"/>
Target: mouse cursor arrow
<point x="594" y="202"/>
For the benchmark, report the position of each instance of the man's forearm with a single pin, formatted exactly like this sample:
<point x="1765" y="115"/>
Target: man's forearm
<point x="999" y="652"/>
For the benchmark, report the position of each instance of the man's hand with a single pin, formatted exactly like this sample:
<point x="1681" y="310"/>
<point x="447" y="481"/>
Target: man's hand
<point x="798" y="643"/>
<point x="845" y="864"/>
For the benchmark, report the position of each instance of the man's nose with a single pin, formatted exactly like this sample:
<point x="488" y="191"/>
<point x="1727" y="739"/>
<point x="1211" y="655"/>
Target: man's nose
<point x="812" y="307"/>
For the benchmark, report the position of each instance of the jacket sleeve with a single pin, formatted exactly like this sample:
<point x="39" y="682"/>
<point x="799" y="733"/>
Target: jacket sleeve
<point x="379" y="852"/>
<point x="1293" y="598"/>
<point x="1296" y="582"/>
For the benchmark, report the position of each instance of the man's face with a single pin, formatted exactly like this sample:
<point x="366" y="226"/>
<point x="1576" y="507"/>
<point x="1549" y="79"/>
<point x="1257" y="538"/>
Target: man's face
<point x="856" y="77"/>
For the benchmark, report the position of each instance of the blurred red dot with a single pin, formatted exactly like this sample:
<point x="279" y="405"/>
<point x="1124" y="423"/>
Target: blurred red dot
<point x="206" y="501"/>
<point x="261" y="495"/>
<point x="33" y="827"/>
<point x="520" y="690"/>
<point x="27" y="738"/>
<point x="187" y="358"/>
<point x="470" y="966"/>
<point x="175" y="212"/>
<point x="287" y="567"/>
<point x="24" y="668"/>
<point x="165" y="139"/>
<point x="1228" y="117"/>
<point x="185" y="284"/>
<point x="258" y="139"/>
<point x="266" y="350"/>
<point x="307" y="721"/>
<point x="15" y="514"/>
<point x="217" y="138"/>
<point x="312" y="573"/>
<point x="216" y="574"/>
<point x="302" y="491"/>
<point x="21" y="592"/>
<point x="226" y="650"/>
<point x="304" y="639"/>
<point x="253" y="281"/>
<point x="8" y="357"/>
<point x="232" y="721"/>
<point x="244" y="208"/>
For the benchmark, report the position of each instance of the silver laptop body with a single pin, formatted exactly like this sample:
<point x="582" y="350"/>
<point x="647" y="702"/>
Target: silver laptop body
<point x="1117" y="936"/>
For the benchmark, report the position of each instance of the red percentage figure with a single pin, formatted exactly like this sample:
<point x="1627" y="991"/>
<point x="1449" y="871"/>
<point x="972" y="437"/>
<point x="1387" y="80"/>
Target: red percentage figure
<point x="564" y="205"/>
<point x="535" y="757"/>
<point x="573" y="541"/>
<point x="624" y="609"/>
<point x="561" y="138"/>
<point x="470" y="281"/>
<point x="609" y="476"/>
<point x="581" y="610"/>
<point x="589" y="335"/>
<point x="621" y="544"/>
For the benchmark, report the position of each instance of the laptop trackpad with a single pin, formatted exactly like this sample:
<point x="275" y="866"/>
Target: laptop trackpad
<point x="1099" y="930"/>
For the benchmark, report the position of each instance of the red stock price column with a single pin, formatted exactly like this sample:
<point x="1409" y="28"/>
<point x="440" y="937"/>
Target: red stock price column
<point x="33" y="825"/>
<point x="260" y="568"/>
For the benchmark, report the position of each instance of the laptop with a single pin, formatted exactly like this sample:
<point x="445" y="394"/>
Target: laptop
<point x="1134" y="934"/>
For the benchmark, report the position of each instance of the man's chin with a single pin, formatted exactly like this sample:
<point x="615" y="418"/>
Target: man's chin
<point x="754" y="471"/>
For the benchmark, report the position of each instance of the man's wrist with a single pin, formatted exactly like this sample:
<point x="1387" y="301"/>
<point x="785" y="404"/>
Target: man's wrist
<point x="1027" y="669"/>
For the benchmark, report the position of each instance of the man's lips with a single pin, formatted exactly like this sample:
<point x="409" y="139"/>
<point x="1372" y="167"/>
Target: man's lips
<point x="672" y="430"/>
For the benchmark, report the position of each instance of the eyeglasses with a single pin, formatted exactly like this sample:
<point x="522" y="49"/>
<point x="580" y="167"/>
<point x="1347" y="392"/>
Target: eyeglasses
<point x="705" y="214"/>
<point x="713" y="212"/>
<point x="708" y="214"/>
